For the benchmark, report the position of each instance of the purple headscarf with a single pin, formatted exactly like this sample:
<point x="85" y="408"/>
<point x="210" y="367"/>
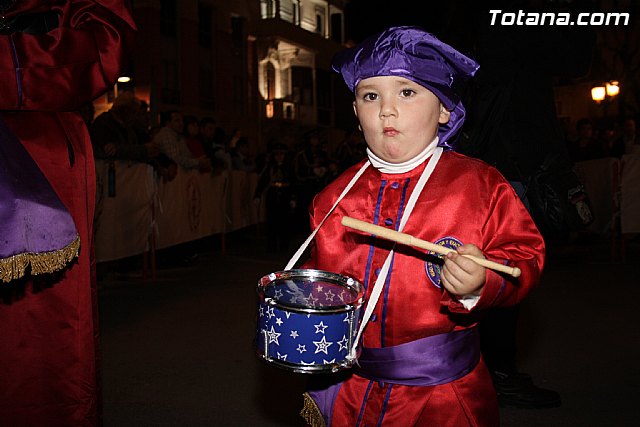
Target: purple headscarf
<point x="414" y="54"/>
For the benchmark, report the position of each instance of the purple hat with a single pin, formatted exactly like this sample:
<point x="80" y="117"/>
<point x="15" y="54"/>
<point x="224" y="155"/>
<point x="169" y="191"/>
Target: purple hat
<point x="414" y="54"/>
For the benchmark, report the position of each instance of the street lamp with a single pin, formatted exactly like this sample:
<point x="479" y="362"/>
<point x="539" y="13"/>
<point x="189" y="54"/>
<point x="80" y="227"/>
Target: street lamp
<point x="607" y="89"/>
<point x="613" y="88"/>
<point x="122" y="84"/>
<point x="604" y="94"/>
<point x="598" y="93"/>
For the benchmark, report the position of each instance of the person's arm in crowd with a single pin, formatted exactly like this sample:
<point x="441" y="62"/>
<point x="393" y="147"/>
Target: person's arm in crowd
<point x="179" y="153"/>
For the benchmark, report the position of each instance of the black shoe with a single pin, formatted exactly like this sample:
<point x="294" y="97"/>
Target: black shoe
<point x="517" y="390"/>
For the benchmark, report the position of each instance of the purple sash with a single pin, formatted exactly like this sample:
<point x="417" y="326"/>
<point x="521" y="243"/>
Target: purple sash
<point x="434" y="360"/>
<point x="429" y="361"/>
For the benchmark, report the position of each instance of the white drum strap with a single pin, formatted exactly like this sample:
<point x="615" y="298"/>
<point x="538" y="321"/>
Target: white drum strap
<point x="384" y="271"/>
<point x="305" y="244"/>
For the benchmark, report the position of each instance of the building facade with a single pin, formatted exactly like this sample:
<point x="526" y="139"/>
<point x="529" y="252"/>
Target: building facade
<point x="262" y="66"/>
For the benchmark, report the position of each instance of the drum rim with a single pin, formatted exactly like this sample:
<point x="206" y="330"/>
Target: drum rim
<point x="346" y="281"/>
<point x="326" y="368"/>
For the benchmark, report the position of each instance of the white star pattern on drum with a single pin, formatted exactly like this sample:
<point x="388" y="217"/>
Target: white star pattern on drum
<point x="311" y="301"/>
<point x="320" y="327"/>
<point x="329" y="296"/>
<point x="342" y="295"/>
<point x="299" y="323"/>
<point x="273" y="336"/>
<point x="343" y="343"/>
<point x="289" y="337"/>
<point x="322" y="345"/>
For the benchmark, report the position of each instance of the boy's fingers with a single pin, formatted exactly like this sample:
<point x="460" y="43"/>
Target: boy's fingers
<point x="452" y="274"/>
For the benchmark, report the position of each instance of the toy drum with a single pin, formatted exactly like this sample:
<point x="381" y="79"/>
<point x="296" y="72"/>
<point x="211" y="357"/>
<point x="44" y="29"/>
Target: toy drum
<point x="308" y="320"/>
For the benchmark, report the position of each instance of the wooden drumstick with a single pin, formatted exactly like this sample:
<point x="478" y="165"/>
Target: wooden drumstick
<point x="407" y="239"/>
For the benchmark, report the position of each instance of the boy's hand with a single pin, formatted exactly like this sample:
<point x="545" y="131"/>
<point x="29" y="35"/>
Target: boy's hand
<point x="460" y="275"/>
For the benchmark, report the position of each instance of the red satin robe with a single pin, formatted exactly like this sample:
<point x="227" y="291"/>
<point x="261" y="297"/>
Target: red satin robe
<point x="464" y="201"/>
<point x="48" y="331"/>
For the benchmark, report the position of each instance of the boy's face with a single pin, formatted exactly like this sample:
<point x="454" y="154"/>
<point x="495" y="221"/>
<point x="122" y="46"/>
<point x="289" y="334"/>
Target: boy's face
<point x="399" y="117"/>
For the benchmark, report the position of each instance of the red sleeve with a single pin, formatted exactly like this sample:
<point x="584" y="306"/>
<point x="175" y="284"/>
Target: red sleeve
<point x="71" y="64"/>
<point x="509" y="237"/>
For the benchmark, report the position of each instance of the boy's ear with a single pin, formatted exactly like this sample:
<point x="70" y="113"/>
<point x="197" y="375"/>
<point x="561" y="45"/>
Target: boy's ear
<point x="445" y="115"/>
<point x="355" y="111"/>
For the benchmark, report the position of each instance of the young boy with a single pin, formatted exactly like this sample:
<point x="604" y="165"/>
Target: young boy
<point x="420" y="362"/>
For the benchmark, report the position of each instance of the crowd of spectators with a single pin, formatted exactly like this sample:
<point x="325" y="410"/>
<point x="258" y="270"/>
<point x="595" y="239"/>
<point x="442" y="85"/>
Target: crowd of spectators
<point x="596" y="142"/>
<point x="293" y="173"/>
<point x="126" y="132"/>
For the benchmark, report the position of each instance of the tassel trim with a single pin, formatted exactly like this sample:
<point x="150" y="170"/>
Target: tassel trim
<point x="311" y="413"/>
<point x="15" y="266"/>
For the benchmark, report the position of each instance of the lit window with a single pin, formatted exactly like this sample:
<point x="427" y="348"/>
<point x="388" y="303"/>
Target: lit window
<point x="267" y="9"/>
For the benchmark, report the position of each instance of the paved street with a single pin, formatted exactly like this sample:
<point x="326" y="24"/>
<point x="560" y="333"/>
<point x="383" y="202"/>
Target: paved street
<point x="178" y="351"/>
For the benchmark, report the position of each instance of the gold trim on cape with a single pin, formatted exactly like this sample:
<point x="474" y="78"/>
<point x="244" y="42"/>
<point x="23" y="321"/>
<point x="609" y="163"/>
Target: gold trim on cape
<point x="311" y="413"/>
<point x="15" y="266"/>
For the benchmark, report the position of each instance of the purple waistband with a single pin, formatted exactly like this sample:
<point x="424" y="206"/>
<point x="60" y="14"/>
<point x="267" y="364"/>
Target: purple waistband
<point x="434" y="360"/>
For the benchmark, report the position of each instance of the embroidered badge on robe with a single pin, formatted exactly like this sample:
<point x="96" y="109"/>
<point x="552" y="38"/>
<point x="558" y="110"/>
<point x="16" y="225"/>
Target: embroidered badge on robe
<point x="434" y="268"/>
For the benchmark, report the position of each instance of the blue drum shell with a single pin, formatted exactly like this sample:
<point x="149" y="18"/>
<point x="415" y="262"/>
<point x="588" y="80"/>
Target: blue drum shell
<point x="307" y="320"/>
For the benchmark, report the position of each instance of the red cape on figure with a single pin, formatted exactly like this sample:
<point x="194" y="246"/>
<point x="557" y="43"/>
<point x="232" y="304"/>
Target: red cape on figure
<point x="49" y="327"/>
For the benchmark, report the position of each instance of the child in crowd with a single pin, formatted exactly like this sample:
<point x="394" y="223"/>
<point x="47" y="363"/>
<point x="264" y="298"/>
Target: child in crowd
<point x="420" y="362"/>
<point x="192" y="136"/>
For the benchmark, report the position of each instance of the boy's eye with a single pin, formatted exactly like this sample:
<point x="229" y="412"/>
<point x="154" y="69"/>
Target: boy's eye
<point x="407" y="92"/>
<point x="370" y="96"/>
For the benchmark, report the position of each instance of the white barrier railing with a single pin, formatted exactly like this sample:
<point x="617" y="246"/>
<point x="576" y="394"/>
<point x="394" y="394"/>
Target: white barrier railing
<point x="630" y="194"/>
<point x="190" y="207"/>
<point x="613" y="186"/>
<point x="194" y="205"/>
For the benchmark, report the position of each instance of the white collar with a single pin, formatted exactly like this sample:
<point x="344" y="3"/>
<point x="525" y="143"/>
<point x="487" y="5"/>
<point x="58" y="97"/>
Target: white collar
<point x="395" y="168"/>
